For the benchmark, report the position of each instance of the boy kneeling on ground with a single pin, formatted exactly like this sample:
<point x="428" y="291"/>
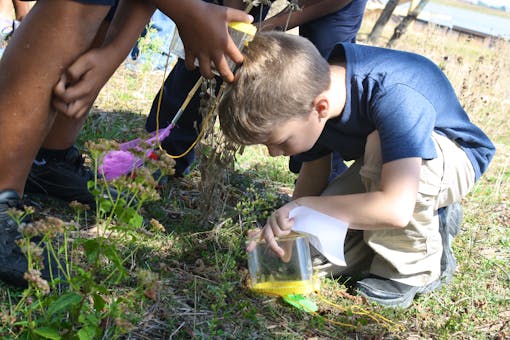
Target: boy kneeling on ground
<point x="396" y="115"/>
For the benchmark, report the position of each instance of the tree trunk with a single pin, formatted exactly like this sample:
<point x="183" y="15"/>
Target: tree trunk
<point x="402" y="27"/>
<point x="382" y="20"/>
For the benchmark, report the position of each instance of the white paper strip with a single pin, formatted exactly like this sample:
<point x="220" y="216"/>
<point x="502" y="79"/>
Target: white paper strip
<point x="327" y="234"/>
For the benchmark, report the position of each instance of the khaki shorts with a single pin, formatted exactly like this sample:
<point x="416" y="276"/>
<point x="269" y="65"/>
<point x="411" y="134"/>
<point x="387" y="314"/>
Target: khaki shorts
<point x="411" y="255"/>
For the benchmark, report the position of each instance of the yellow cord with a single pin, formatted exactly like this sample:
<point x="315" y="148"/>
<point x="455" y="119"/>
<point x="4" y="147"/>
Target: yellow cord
<point x="205" y="123"/>
<point x="381" y="320"/>
<point x="240" y="26"/>
<point x="190" y="95"/>
<point x="295" y="287"/>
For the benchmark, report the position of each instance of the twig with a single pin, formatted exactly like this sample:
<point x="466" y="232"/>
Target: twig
<point x="177" y="330"/>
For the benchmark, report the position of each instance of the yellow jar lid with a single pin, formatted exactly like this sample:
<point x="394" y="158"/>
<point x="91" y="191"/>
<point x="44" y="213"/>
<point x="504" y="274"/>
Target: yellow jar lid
<point x="243" y="27"/>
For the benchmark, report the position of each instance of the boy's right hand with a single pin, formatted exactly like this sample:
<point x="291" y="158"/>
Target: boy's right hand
<point x="205" y="36"/>
<point x="277" y="225"/>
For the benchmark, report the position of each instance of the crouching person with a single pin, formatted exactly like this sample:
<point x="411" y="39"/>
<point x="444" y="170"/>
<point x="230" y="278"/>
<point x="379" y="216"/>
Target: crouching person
<point x="395" y="114"/>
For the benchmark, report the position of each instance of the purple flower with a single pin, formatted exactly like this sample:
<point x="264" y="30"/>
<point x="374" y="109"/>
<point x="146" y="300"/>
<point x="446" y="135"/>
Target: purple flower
<point x="122" y="162"/>
<point x="118" y="163"/>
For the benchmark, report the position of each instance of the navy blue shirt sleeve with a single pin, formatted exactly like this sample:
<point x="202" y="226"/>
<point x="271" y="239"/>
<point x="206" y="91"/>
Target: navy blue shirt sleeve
<point x="405" y="120"/>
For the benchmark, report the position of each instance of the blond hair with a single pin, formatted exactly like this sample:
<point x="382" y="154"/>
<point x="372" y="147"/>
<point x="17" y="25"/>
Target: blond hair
<point x="281" y="76"/>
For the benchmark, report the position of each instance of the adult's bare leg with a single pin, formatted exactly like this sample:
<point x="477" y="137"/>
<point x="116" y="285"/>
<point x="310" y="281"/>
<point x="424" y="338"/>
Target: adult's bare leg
<point x="65" y="130"/>
<point x="29" y="69"/>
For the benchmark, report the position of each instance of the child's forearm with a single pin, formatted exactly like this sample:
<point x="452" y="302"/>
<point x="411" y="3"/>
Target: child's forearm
<point x="310" y="10"/>
<point x="127" y="24"/>
<point x="391" y="206"/>
<point x="203" y="28"/>
<point x="132" y="16"/>
<point x="365" y="211"/>
<point x="181" y="12"/>
<point x="238" y="4"/>
<point x="75" y="93"/>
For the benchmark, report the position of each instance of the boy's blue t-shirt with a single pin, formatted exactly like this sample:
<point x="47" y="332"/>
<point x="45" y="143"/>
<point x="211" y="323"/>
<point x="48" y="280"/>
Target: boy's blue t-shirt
<point x="405" y="97"/>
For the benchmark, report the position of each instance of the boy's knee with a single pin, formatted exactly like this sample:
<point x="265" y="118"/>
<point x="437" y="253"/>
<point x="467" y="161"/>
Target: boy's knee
<point x="456" y="172"/>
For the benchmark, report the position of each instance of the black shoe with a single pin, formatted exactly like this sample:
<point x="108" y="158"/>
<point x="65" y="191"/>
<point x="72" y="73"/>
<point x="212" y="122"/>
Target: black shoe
<point x="65" y="178"/>
<point x="391" y="293"/>
<point x="13" y="263"/>
<point x="450" y="220"/>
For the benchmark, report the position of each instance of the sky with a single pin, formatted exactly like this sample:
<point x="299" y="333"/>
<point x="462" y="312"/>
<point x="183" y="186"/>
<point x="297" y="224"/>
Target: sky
<point x="494" y="3"/>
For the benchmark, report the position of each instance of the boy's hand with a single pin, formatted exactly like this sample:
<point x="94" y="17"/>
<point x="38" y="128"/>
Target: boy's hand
<point x="278" y="224"/>
<point x="205" y="37"/>
<point x="80" y="84"/>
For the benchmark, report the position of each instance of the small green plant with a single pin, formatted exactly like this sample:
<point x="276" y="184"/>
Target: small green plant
<point x="150" y="47"/>
<point x="79" y="300"/>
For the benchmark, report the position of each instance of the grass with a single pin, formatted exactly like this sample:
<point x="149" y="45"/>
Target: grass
<point x="189" y="281"/>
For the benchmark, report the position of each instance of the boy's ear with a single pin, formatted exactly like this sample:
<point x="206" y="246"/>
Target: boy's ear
<point x="321" y="106"/>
